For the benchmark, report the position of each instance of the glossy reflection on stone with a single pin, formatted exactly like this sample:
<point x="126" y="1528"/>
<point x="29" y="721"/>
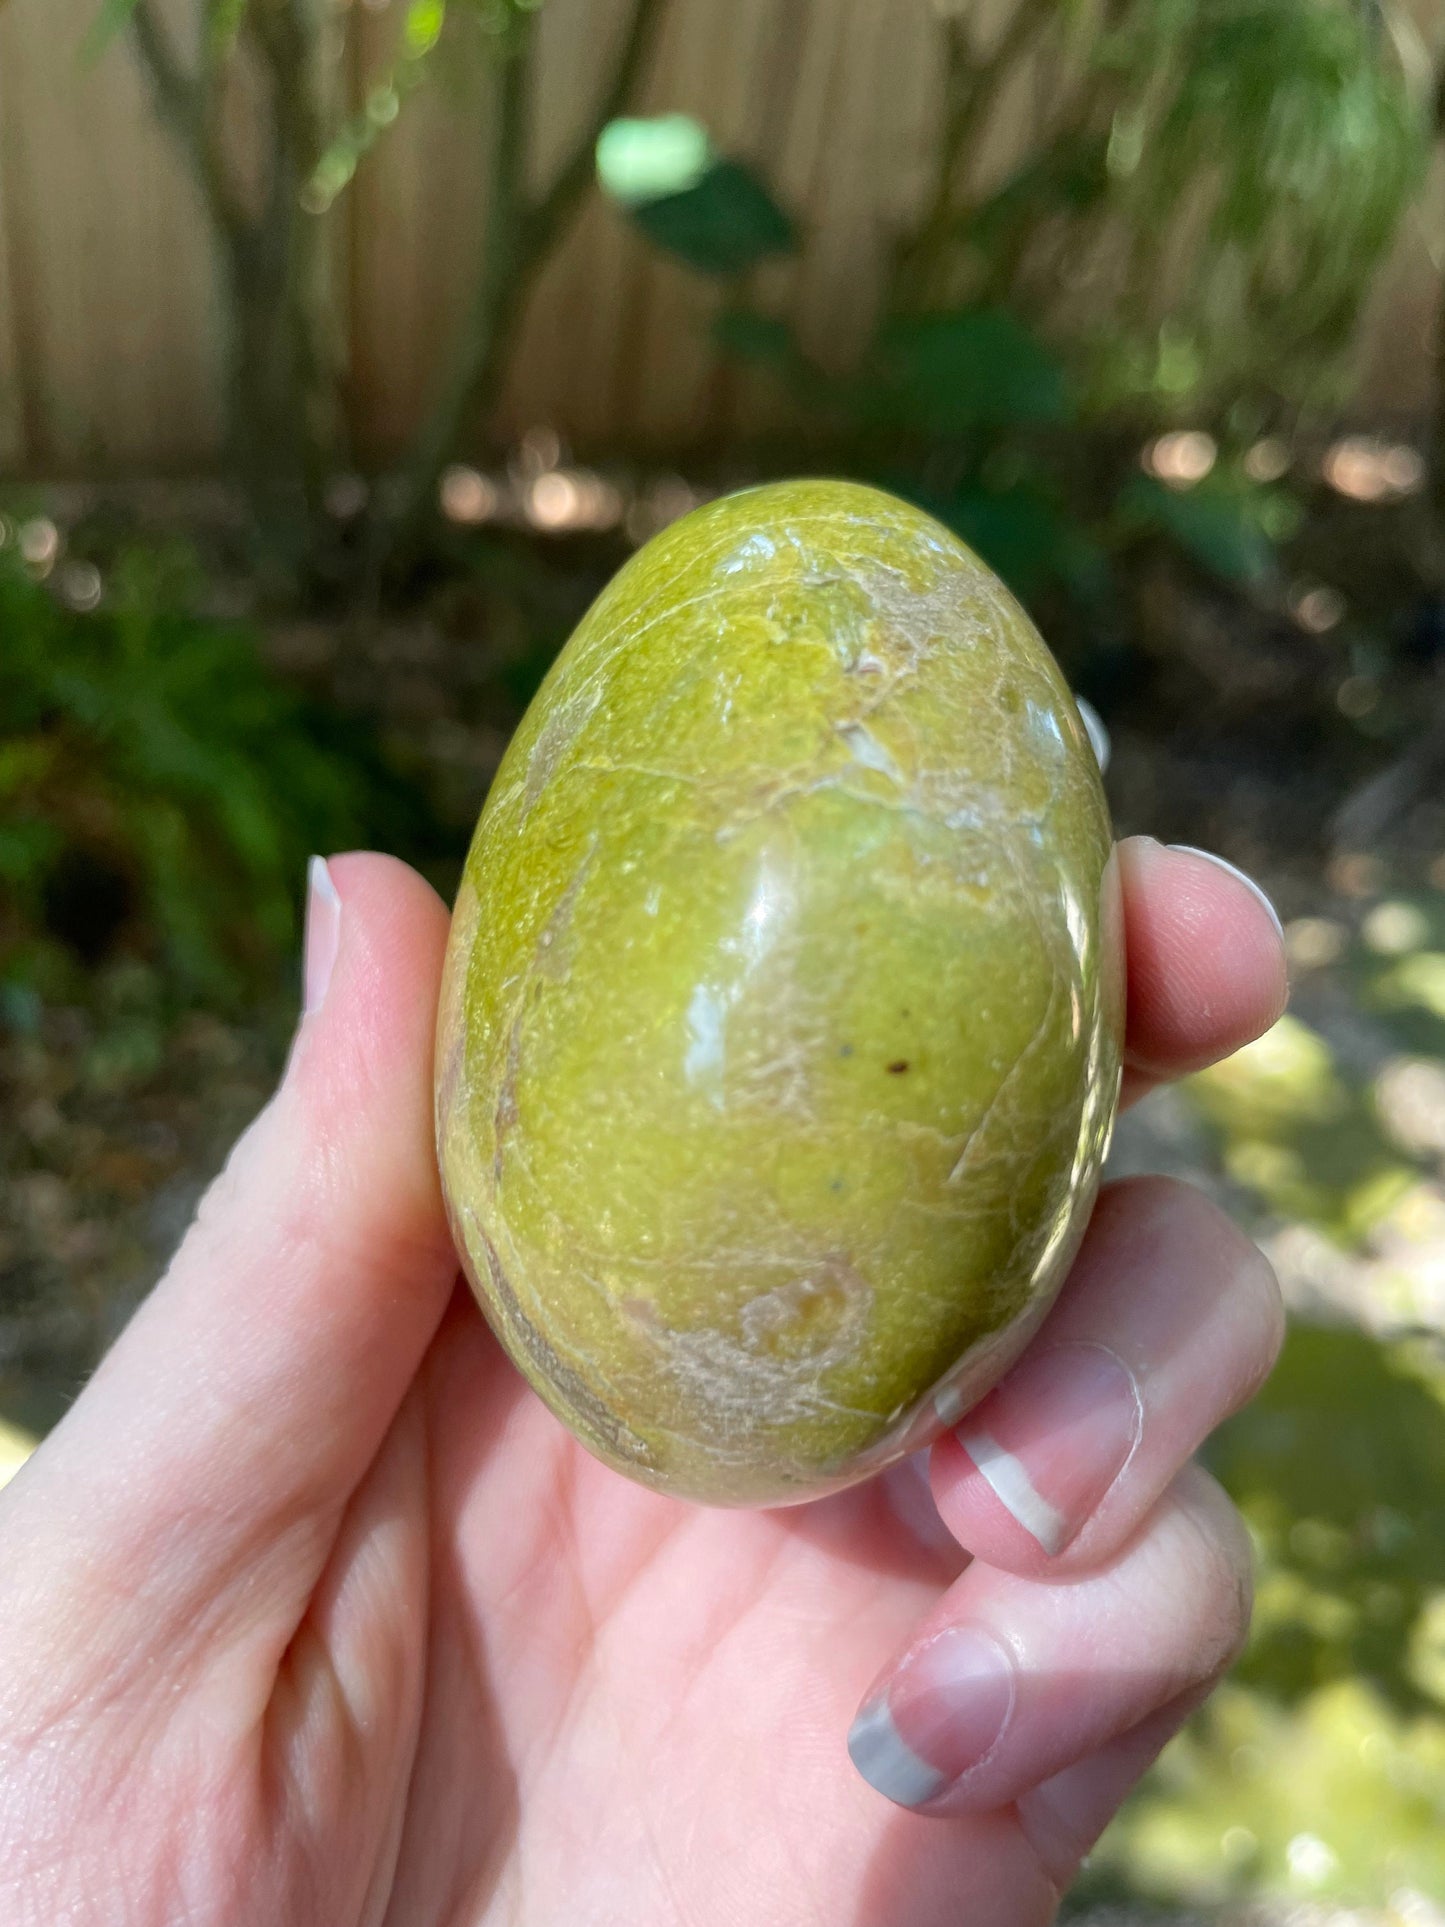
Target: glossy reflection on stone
<point x="779" y="1040"/>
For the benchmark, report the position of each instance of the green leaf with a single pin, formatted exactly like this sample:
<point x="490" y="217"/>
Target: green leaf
<point x="1023" y="533"/>
<point x="24" y="761"/>
<point x="645" y="160"/>
<point x="26" y="848"/>
<point x="1220" y="524"/>
<point x="162" y="738"/>
<point x="945" y="373"/>
<point x="722" y="225"/>
<point x="422" y="27"/>
<point x="107" y="23"/>
<point x="1017" y="532"/>
<point x="708" y="211"/>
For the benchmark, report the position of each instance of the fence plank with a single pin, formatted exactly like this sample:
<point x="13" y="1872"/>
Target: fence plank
<point x="1399" y="333"/>
<point x="12" y="355"/>
<point x="416" y="210"/>
<point x="122" y="357"/>
<point x="576" y="316"/>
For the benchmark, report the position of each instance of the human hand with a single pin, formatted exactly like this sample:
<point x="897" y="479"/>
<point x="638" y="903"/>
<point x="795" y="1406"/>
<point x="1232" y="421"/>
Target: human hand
<point x="311" y="1613"/>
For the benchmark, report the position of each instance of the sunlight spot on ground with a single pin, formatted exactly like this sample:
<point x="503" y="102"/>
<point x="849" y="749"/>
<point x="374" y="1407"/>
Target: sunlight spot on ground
<point x="1391" y="929"/>
<point x="1287" y="1073"/>
<point x="1182" y="458"/>
<point x="1313" y="942"/>
<point x="1418" y="980"/>
<point x="1311" y="1859"/>
<point x="15" y="1448"/>
<point x="1393" y="1282"/>
<point x="1410" y="1098"/>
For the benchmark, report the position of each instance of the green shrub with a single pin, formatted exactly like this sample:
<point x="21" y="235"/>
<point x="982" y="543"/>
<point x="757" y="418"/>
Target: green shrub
<point x="160" y="789"/>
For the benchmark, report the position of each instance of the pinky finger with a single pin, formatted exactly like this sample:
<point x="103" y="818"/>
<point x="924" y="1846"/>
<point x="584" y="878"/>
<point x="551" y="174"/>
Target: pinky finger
<point x="1063" y="1817"/>
<point x="1008" y="1684"/>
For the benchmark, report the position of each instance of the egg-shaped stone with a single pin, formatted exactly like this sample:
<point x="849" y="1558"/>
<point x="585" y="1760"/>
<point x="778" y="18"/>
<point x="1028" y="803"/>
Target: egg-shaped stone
<point x="779" y="1040"/>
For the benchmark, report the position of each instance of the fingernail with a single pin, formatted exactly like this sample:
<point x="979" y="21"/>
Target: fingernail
<point x="323" y="933"/>
<point x="1052" y="1439"/>
<point x="1096" y="732"/>
<point x="942" y="1712"/>
<point x="1188" y="849"/>
<point x="910" y="1497"/>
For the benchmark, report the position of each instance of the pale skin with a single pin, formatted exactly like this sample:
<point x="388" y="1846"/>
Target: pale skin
<point x="312" y="1615"/>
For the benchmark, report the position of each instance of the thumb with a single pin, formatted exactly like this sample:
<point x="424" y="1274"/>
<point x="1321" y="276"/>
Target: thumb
<point x="207" y="1464"/>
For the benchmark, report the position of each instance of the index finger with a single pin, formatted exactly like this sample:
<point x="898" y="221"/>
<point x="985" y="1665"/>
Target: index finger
<point x="1206" y="961"/>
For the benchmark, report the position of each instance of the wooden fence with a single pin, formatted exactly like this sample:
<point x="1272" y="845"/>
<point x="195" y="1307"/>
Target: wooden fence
<point x="110" y="321"/>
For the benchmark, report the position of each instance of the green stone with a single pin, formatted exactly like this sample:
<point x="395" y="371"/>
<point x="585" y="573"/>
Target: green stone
<point x="779" y="1040"/>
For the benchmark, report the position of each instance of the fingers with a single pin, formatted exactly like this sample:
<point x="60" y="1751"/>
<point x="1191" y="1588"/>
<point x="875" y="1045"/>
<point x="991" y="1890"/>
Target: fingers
<point x="1206" y="961"/>
<point x="1008" y="1684"/>
<point x="1056" y="1697"/>
<point x="1065" y="1816"/>
<point x="1171" y="1320"/>
<point x="232" y="1419"/>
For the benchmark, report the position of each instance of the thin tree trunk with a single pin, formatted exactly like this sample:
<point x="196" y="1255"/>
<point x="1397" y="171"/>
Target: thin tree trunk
<point x="284" y="421"/>
<point x="520" y="236"/>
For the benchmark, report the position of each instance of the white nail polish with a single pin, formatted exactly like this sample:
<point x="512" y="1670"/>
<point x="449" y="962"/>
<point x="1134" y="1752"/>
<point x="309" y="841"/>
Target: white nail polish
<point x="1094" y="729"/>
<point x="941" y="1714"/>
<point x="1014" y="1489"/>
<point x="323" y="933"/>
<point x="910" y="1498"/>
<point x="950" y="1404"/>
<point x="887" y="1762"/>
<point x="1188" y="849"/>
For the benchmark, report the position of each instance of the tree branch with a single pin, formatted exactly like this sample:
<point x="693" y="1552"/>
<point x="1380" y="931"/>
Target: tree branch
<point x="290" y="39"/>
<point x="973" y="85"/>
<point x="519" y="238"/>
<point x="184" y="104"/>
<point x="575" y="174"/>
<point x="496" y="297"/>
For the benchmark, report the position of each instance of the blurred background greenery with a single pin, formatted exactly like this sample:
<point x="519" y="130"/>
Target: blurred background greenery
<point x="1137" y="295"/>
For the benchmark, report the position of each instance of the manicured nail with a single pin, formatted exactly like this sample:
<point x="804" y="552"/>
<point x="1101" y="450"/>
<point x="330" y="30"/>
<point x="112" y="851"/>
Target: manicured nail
<point x="1188" y="849"/>
<point x="942" y="1712"/>
<point x="1052" y="1439"/>
<point x="1094" y="729"/>
<point x="910" y="1497"/>
<point x="323" y="933"/>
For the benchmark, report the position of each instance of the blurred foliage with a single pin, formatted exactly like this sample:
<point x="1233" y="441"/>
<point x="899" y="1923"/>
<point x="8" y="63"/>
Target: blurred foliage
<point x="267" y="201"/>
<point x="708" y="211"/>
<point x="974" y="416"/>
<point x="110" y="19"/>
<point x="415" y="55"/>
<point x="724" y="223"/>
<point x="160" y="790"/>
<point x="1299" y="1134"/>
<point x="1319" y="1771"/>
<point x="1337" y="1469"/>
<point x="1316" y="1140"/>
<point x="1252" y="157"/>
<point x="1320" y="1768"/>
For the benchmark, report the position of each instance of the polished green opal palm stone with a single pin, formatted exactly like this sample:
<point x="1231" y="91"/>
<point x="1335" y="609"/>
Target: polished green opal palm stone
<point x="779" y="1040"/>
